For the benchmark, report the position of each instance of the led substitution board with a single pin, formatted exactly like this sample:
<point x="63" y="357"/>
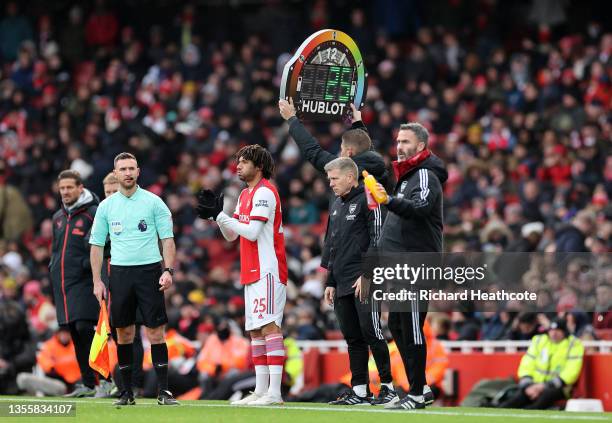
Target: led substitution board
<point x="324" y="76"/>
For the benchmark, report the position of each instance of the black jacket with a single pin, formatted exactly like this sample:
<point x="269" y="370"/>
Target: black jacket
<point x="70" y="268"/>
<point x="352" y="229"/>
<point x="414" y="222"/>
<point x="312" y="151"/>
<point x="569" y="239"/>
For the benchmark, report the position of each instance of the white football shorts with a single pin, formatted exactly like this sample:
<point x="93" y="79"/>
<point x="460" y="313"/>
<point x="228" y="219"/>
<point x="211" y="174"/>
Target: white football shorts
<point x="264" y="302"/>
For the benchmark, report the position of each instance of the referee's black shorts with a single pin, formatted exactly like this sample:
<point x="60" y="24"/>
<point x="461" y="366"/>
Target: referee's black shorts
<point x="106" y="268"/>
<point x="133" y="287"/>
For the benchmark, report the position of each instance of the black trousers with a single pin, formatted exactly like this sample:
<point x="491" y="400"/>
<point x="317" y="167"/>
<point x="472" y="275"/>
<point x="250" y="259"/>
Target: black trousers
<point x="362" y="330"/>
<point x="547" y="398"/>
<point x="407" y="330"/>
<point x="82" y="332"/>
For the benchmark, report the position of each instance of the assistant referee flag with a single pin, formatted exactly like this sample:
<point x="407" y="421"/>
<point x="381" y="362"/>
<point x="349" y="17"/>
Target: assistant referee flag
<point x="99" y="359"/>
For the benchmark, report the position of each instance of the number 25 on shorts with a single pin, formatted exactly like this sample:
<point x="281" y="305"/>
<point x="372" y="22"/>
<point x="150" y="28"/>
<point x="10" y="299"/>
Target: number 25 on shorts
<point x="259" y="305"/>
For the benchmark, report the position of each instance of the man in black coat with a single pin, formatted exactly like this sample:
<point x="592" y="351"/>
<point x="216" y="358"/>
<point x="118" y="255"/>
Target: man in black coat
<point x="356" y="144"/>
<point x="414" y="224"/>
<point x="353" y="228"/>
<point x="571" y="238"/>
<point x="70" y="272"/>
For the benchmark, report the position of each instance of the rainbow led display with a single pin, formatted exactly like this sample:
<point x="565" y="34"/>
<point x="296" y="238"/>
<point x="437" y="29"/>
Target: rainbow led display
<point x="325" y="84"/>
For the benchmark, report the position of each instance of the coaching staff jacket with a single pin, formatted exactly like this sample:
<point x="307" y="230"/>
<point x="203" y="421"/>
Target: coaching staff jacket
<point x="414" y="221"/>
<point x="352" y="229"/>
<point x="311" y="150"/>
<point x="70" y="269"/>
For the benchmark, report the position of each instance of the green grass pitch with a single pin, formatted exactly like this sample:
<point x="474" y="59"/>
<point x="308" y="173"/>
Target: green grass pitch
<point x="147" y="411"/>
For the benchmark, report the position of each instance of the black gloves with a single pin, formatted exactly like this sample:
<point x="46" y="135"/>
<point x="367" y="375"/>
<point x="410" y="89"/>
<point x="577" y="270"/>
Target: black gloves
<point x="209" y="204"/>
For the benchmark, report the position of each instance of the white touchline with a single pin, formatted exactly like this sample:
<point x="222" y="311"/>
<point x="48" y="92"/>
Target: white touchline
<point x="152" y="403"/>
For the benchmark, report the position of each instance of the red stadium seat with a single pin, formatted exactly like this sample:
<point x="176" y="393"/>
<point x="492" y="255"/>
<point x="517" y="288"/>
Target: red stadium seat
<point x="219" y="255"/>
<point x="604" y="334"/>
<point x="334" y="365"/>
<point x="312" y="370"/>
<point x="333" y="335"/>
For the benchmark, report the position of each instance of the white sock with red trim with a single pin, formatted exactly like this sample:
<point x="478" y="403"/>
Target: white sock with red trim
<point x="275" y="353"/>
<point x="260" y="361"/>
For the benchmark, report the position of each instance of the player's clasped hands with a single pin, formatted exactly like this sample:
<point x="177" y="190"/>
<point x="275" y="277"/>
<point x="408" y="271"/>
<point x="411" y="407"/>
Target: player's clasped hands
<point x="209" y="204"/>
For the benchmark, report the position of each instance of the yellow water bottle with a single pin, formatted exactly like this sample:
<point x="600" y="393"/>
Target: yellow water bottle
<point x="370" y="183"/>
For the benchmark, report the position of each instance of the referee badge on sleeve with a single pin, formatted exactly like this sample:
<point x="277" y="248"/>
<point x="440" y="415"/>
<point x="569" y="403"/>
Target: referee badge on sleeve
<point x="116" y="227"/>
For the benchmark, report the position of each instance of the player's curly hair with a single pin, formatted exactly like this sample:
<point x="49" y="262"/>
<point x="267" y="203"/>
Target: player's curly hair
<point x="260" y="157"/>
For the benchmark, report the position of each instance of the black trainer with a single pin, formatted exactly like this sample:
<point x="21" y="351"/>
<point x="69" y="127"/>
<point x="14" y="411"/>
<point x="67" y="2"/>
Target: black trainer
<point x="385" y="396"/>
<point x="428" y="395"/>
<point x="351" y="398"/>
<point x="408" y="403"/>
<point x="166" y="398"/>
<point x="126" y="398"/>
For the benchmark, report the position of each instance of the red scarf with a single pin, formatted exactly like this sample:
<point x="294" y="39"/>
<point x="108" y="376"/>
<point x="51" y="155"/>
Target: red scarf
<point x="402" y="168"/>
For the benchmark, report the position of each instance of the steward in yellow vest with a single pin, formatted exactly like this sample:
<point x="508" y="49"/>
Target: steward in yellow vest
<point x="549" y="369"/>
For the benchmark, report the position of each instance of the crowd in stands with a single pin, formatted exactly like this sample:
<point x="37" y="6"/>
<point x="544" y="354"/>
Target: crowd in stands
<point x="520" y="114"/>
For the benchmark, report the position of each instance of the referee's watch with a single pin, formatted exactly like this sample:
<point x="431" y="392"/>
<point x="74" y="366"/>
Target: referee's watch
<point x="169" y="270"/>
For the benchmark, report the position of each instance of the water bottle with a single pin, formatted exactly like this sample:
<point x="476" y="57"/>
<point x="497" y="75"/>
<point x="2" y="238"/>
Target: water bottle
<point x="370" y="184"/>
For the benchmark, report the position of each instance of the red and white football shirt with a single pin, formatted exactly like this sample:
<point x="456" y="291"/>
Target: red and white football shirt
<point x="265" y="255"/>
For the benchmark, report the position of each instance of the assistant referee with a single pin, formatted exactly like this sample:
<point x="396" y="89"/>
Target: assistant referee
<point x="135" y="219"/>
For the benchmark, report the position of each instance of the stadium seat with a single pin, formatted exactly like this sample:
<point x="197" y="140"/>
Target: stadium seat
<point x="312" y="370"/>
<point x="219" y="255"/>
<point x="604" y="334"/>
<point x="580" y="389"/>
<point x="333" y="335"/>
<point x="334" y="365"/>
